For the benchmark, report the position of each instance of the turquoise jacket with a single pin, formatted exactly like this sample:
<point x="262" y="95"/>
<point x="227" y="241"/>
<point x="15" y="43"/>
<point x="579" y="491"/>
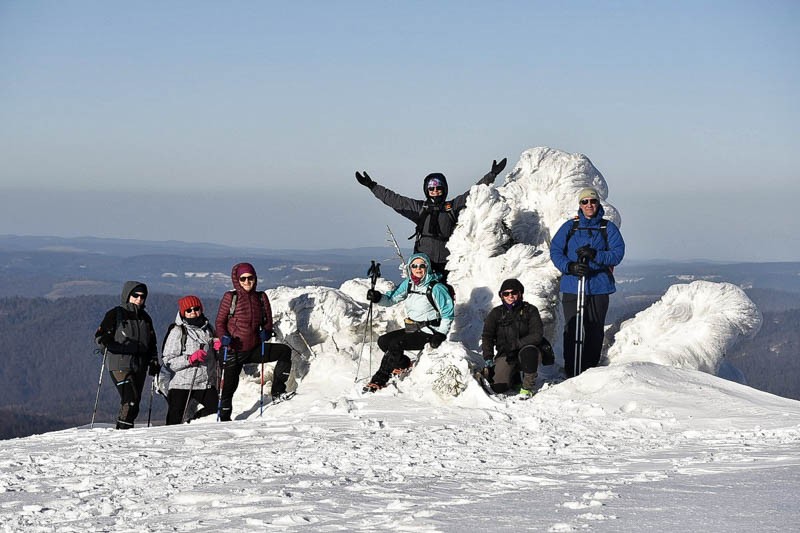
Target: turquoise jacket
<point x="418" y="307"/>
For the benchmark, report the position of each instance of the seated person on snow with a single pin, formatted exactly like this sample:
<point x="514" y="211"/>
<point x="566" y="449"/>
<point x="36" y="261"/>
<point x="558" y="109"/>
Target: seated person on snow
<point x="514" y="330"/>
<point x="429" y="315"/>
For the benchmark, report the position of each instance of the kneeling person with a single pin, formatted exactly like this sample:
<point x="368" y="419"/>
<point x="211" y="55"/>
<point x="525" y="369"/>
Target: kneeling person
<point x="429" y="315"/>
<point x="514" y="329"/>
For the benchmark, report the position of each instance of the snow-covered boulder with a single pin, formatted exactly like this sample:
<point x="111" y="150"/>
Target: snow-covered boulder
<point x="692" y="327"/>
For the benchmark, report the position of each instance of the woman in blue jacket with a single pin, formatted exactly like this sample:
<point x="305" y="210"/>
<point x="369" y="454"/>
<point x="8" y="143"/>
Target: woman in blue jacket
<point x="429" y="315"/>
<point x="586" y="247"/>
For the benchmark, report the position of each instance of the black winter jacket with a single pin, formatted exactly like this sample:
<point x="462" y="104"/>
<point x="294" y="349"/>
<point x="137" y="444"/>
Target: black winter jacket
<point x="127" y="329"/>
<point x="508" y="330"/>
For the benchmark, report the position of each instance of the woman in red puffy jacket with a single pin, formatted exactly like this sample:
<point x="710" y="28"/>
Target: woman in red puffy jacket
<point x="244" y="326"/>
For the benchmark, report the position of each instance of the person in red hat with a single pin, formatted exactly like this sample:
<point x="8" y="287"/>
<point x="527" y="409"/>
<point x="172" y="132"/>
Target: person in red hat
<point x="188" y="366"/>
<point x="244" y="326"/>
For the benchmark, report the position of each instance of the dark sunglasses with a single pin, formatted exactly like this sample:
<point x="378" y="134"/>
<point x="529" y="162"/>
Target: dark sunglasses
<point x="138" y="295"/>
<point x="193" y="310"/>
<point x="247" y="278"/>
<point x="588" y="201"/>
<point x="419" y="265"/>
<point x="435" y="189"/>
<point x="509" y="293"/>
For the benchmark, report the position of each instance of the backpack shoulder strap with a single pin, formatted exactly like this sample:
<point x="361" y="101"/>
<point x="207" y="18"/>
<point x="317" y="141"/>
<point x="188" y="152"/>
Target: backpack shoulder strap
<point x="232" y="309"/>
<point x="576" y="222"/>
<point x="429" y="294"/>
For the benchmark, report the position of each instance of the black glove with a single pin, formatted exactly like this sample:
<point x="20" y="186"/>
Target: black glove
<point x="153" y="367"/>
<point x="586" y="252"/>
<point x="437" y="339"/>
<point x="365" y="180"/>
<point x="497" y="168"/>
<point x="374" y="296"/>
<point x="578" y="269"/>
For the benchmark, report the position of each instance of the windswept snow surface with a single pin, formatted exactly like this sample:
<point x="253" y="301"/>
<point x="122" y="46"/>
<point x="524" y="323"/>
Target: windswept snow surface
<point x="649" y="443"/>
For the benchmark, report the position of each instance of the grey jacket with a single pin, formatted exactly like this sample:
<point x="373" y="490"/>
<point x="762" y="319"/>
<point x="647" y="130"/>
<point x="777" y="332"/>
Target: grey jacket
<point x="177" y="361"/>
<point x="433" y="243"/>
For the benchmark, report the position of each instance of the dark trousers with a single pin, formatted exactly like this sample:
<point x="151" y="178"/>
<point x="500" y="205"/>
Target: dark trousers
<point x="129" y="384"/>
<point x="394" y="344"/>
<point x="176" y="402"/>
<point x="595" y="308"/>
<point x="508" y="367"/>
<point x="232" y="367"/>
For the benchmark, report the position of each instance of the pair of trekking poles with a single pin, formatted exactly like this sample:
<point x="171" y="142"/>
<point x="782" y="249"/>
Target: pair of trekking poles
<point x="152" y="390"/>
<point x="579" y="330"/>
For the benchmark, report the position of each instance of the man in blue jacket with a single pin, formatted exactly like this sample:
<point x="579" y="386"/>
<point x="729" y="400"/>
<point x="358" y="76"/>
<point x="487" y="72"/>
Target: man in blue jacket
<point x="588" y="247"/>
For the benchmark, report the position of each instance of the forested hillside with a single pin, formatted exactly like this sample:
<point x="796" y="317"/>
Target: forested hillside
<point x="50" y="370"/>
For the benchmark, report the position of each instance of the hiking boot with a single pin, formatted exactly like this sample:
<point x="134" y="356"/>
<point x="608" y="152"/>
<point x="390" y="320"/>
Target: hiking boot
<point x="372" y="387"/>
<point x="525" y="393"/>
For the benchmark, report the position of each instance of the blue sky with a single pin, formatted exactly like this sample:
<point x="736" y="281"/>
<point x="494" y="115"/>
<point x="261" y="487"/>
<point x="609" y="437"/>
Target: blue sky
<point x="243" y="122"/>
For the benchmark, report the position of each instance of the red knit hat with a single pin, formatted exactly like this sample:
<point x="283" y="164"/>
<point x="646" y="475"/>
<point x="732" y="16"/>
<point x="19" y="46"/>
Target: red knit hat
<point x="189" y="301"/>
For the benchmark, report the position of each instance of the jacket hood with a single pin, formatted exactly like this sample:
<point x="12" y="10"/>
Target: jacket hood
<point x="128" y="288"/>
<point x="438" y="176"/>
<point x="235" y="276"/>
<point x="430" y="275"/>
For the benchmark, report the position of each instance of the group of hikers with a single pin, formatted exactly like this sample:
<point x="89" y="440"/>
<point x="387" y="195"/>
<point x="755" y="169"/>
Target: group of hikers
<point x="205" y="360"/>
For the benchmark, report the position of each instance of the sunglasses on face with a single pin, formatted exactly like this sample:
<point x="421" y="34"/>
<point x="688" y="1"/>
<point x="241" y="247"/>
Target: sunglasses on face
<point x="193" y="310"/>
<point x="138" y="295"/>
<point x="586" y="201"/>
<point x="247" y="279"/>
<point x="432" y="189"/>
<point x="419" y="266"/>
<point x="510" y="293"/>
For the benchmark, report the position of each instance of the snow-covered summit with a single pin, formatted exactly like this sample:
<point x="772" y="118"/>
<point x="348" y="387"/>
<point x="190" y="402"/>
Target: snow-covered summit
<point x="654" y="441"/>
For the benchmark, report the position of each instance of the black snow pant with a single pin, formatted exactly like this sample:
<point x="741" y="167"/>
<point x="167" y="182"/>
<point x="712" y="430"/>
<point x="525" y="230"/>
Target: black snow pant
<point x="232" y="367"/>
<point x="394" y="344"/>
<point x="508" y="367"/>
<point x="595" y="308"/>
<point x="176" y="401"/>
<point x="129" y="384"/>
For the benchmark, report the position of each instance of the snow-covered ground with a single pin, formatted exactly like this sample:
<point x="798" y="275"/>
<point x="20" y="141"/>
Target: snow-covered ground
<point x="654" y="441"/>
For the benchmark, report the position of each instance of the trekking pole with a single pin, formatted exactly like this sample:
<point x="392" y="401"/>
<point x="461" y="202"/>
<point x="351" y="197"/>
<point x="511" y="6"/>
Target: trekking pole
<point x="152" y="391"/>
<point x="99" y="384"/>
<point x="191" y="388"/>
<point x="188" y="398"/>
<point x="261" y="413"/>
<point x="579" y="331"/>
<point x="374" y="273"/>
<point x="221" y="383"/>
<point x="393" y="241"/>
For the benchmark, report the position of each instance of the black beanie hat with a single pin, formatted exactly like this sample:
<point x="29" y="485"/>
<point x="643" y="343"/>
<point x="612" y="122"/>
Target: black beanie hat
<point x="512" y="285"/>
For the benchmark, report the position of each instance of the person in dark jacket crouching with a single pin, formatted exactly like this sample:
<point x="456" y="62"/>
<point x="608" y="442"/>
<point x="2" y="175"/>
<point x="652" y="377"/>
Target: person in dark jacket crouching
<point x="187" y="357"/>
<point x="244" y="326"/>
<point x="512" y="341"/>
<point x="435" y="217"/>
<point x="128" y="336"/>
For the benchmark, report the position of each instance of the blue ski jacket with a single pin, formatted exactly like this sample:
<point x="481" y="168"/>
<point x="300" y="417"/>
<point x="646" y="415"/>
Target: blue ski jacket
<point x="418" y="307"/>
<point x="563" y="252"/>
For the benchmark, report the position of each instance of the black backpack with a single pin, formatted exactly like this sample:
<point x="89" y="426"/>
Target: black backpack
<point x="183" y="336"/>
